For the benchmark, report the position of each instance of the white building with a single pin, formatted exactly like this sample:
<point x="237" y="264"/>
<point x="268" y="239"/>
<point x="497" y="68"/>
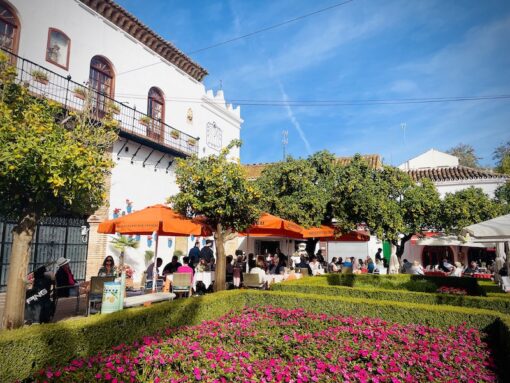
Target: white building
<point x="449" y="177"/>
<point x="165" y="110"/>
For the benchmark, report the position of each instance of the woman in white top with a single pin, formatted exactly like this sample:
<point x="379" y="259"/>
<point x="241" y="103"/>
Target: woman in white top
<point x="315" y="266"/>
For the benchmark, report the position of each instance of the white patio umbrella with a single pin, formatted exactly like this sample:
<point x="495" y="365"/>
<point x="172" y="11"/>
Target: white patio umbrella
<point x="446" y="240"/>
<point x="493" y="230"/>
<point x="394" y="264"/>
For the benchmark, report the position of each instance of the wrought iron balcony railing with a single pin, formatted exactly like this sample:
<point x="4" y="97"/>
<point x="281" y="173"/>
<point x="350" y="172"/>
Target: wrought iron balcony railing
<point x="46" y="83"/>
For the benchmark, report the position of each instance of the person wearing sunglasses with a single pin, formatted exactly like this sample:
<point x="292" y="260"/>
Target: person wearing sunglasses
<point x="108" y="269"/>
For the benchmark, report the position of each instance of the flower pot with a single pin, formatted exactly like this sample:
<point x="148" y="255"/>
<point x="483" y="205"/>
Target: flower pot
<point x="43" y="81"/>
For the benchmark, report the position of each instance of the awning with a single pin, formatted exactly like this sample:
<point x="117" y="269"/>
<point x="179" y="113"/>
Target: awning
<point x="319" y="232"/>
<point x="272" y="226"/>
<point x="447" y="240"/>
<point x="493" y="230"/>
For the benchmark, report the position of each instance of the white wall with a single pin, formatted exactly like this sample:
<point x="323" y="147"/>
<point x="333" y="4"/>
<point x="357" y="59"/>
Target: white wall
<point x="488" y="186"/>
<point x="430" y="159"/>
<point x="92" y="35"/>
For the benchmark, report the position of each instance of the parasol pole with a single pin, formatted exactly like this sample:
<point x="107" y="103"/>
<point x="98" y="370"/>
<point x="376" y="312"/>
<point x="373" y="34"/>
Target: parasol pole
<point x="155" y="265"/>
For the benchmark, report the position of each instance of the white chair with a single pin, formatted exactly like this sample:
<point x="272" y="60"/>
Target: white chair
<point x="181" y="283"/>
<point x="252" y="281"/>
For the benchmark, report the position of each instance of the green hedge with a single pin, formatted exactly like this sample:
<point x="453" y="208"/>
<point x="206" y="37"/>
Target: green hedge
<point x="25" y="351"/>
<point x="488" y="303"/>
<point x="420" y="283"/>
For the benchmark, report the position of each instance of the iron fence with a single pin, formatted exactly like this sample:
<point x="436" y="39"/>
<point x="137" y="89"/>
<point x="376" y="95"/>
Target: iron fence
<point x="72" y="95"/>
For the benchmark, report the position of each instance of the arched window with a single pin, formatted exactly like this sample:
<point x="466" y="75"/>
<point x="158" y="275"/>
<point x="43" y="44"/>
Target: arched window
<point x="101" y="82"/>
<point x="9" y="28"/>
<point x="58" y="48"/>
<point x="156" y="110"/>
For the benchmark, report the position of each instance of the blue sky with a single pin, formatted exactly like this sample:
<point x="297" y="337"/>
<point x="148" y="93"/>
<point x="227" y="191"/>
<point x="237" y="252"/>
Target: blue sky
<point x="367" y="49"/>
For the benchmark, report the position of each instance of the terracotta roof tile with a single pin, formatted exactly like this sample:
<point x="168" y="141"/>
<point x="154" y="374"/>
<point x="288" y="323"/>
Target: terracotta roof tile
<point x="134" y="27"/>
<point x="453" y="173"/>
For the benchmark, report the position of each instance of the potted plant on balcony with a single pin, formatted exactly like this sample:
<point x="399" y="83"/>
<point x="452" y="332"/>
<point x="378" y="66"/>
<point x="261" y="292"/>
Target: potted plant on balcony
<point x="80" y="93"/>
<point x="39" y="76"/>
<point x="192" y="142"/>
<point x="175" y="134"/>
<point x="113" y="107"/>
<point x="144" y="120"/>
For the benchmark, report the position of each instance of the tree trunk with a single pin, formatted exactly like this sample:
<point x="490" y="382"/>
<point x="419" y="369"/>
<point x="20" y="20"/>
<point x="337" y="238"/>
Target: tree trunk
<point x="401" y="246"/>
<point x="221" y="267"/>
<point x="23" y="234"/>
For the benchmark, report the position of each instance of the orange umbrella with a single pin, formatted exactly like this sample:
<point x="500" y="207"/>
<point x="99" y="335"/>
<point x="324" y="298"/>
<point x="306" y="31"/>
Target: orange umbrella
<point x="271" y="226"/>
<point x="159" y="219"/>
<point x="155" y="220"/>
<point x="319" y="232"/>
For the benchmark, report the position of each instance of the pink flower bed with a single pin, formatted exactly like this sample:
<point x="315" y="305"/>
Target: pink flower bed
<point x="268" y="344"/>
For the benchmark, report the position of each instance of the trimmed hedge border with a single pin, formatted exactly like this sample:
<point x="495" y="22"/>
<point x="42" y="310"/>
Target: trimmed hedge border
<point x="420" y="283"/>
<point x="27" y="350"/>
<point x="489" y="303"/>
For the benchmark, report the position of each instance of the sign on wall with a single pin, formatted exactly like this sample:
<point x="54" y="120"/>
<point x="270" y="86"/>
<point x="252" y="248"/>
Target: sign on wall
<point x="214" y="136"/>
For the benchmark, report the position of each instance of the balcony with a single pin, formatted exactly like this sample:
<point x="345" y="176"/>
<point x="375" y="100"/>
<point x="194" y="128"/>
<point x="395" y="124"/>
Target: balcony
<point x="132" y="124"/>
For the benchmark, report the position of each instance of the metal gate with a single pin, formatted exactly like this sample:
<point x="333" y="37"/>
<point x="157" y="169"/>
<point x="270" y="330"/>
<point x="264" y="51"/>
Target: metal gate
<point x="54" y="237"/>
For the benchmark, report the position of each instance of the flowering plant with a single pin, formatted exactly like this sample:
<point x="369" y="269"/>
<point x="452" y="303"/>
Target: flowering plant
<point x="116" y="210"/>
<point x="128" y="202"/>
<point x="452" y="290"/>
<point x="128" y="270"/>
<point x="266" y="344"/>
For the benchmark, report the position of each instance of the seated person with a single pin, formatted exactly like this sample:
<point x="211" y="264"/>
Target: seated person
<point x="186" y="268"/>
<point x="332" y="267"/>
<point x="259" y="268"/>
<point x="406" y="266"/>
<point x="108" y="269"/>
<point x="67" y="286"/>
<point x="416" y="269"/>
<point x="150" y="274"/>
<point x="202" y="266"/>
<point x="347" y="263"/>
<point x="457" y="270"/>
<point x="472" y="268"/>
<point x="315" y="265"/>
<point x="446" y="266"/>
<point x="39" y="307"/>
<point x="370" y="265"/>
<point x="172" y="267"/>
<point x="304" y="265"/>
<point x="229" y="269"/>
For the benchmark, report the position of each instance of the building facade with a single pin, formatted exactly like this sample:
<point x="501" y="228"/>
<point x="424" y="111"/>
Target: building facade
<point x="65" y="48"/>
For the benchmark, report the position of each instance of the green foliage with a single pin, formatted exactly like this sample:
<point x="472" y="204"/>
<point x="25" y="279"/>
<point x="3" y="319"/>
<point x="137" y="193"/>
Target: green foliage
<point x="299" y="189"/>
<point x="48" y="167"/>
<point x="420" y="283"/>
<point x="502" y="156"/>
<point x="123" y="242"/>
<point x="466" y="207"/>
<point x="466" y="155"/>
<point x="216" y="188"/>
<point x="388" y="201"/>
<point x="502" y="195"/>
<point x="490" y="303"/>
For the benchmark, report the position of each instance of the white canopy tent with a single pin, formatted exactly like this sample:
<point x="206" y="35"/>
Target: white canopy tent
<point x="448" y="240"/>
<point x="493" y="230"/>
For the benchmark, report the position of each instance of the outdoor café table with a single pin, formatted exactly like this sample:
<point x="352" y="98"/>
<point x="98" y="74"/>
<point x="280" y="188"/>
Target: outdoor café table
<point x="205" y="276"/>
<point x="482" y="275"/>
<point x="273" y="278"/>
<point x="139" y="300"/>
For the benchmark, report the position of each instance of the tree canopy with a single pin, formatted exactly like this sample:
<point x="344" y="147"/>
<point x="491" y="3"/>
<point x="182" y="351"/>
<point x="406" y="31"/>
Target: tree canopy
<point x="502" y="156"/>
<point x="299" y="189"/>
<point x="48" y="164"/>
<point x="216" y="188"/>
<point x="466" y="207"/>
<point x="466" y="155"/>
<point x="386" y="200"/>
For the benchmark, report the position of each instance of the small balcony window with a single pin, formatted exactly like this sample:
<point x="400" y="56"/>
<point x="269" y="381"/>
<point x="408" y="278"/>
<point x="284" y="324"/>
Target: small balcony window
<point x="58" y="48"/>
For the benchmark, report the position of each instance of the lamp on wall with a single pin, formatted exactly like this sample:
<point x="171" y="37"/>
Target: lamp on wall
<point x="84" y="233"/>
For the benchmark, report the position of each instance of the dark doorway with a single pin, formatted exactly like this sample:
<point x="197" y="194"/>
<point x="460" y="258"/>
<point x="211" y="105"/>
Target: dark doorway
<point x="266" y="247"/>
<point x="432" y="255"/>
<point x="482" y="256"/>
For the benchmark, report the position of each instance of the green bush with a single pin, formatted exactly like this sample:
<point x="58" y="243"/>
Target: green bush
<point x="408" y="282"/>
<point x="489" y="303"/>
<point x="27" y="350"/>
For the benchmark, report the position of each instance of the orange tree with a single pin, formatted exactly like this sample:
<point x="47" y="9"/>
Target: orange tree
<point x="49" y="163"/>
<point x="216" y="188"/>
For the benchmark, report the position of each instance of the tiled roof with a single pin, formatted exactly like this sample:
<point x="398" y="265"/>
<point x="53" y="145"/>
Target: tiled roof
<point x="374" y="160"/>
<point x="254" y="171"/>
<point x="453" y="173"/>
<point x="131" y="25"/>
